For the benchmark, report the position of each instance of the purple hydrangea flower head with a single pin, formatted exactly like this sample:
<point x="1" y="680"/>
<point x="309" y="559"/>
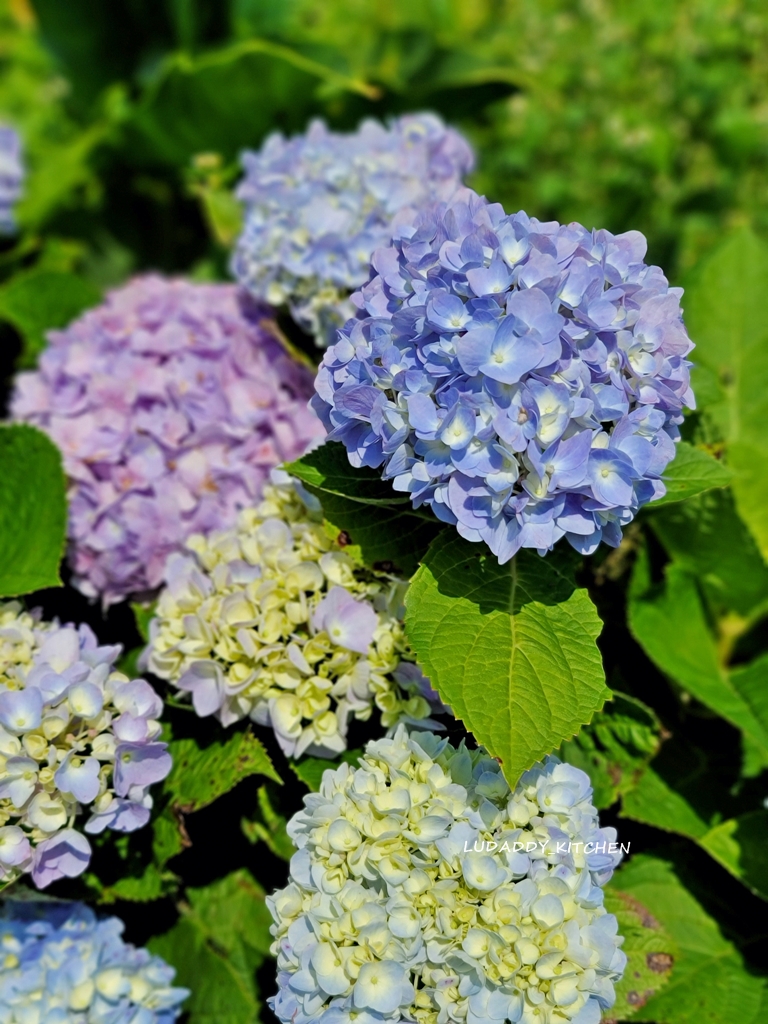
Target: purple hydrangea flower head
<point x="62" y="963"/>
<point x="319" y="204"/>
<point x="76" y="737"/>
<point x="11" y="177"/>
<point x="276" y="621"/>
<point x="522" y="868"/>
<point x="170" y="403"/>
<point x="524" y="379"/>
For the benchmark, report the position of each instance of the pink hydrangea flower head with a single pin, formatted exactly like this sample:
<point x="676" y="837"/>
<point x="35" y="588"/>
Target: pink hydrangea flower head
<point x="170" y="402"/>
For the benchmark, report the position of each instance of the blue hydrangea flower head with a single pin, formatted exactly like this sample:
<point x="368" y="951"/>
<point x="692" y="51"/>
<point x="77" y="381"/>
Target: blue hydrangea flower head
<point x="525" y="380"/>
<point x="319" y="204"/>
<point x="11" y="177"/>
<point x="480" y="903"/>
<point x="60" y="964"/>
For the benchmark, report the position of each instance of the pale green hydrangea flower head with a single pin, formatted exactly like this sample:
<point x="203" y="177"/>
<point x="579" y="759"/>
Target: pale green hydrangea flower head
<point x="276" y="621"/>
<point x="425" y="890"/>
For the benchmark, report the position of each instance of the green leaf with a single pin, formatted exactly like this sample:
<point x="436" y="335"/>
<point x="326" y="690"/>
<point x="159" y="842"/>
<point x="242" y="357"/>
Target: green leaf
<point x="692" y="471"/>
<point x="268" y="828"/>
<point x="738" y="844"/>
<point x="380" y="522"/>
<point x="651" y="953"/>
<point x="707" y="538"/>
<point x="151" y="885"/>
<point x="201" y="775"/>
<point x="33" y="511"/>
<point x="231" y="98"/>
<point x="668" y="621"/>
<point x="143" y="615"/>
<point x="310" y="769"/>
<point x="751" y="682"/>
<point x="615" y="747"/>
<point x="709" y="980"/>
<point x="216" y="947"/>
<point x="37" y="301"/>
<point x="724" y="307"/>
<point x="510" y="648"/>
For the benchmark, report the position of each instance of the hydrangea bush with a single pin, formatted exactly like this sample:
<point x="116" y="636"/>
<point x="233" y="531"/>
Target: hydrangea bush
<point x="319" y="204"/>
<point x="525" y="380"/>
<point x="170" y="404"/>
<point x="76" y="737"/>
<point x="60" y="963"/>
<point x="11" y="177"/>
<point x="275" y="621"/>
<point x="424" y="889"/>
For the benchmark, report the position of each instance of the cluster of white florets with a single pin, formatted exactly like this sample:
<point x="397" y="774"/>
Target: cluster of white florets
<point x="424" y="889"/>
<point x="75" y="734"/>
<point x="276" y="621"/>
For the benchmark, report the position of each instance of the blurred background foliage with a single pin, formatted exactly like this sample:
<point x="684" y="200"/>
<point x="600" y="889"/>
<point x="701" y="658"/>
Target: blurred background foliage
<point x="651" y="114"/>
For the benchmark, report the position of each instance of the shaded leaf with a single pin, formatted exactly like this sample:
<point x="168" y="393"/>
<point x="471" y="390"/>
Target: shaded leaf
<point x="216" y="948"/>
<point x="724" y="313"/>
<point x="230" y="98"/>
<point x="268" y="828"/>
<point x="615" y="747"/>
<point x="376" y="519"/>
<point x="709" y="980"/>
<point x="152" y="884"/>
<point x="668" y="621"/>
<point x="201" y="775"/>
<point x="33" y="511"/>
<point x="692" y="471"/>
<point x="37" y="301"/>
<point x="510" y="648"/>
<point x="707" y="538"/>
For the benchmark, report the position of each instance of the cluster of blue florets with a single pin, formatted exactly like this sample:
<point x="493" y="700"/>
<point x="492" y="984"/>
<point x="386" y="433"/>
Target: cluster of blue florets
<point x="319" y="204"/>
<point x="524" y="379"/>
<point x="11" y="177"/>
<point x="60" y="964"/>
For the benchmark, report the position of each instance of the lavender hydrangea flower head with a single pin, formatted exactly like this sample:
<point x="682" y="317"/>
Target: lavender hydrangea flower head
<point x="526" y="380"/>
<point x="75" y="735"/>
<point x="424" y="889"/>
<point x="276" y="621"/>
<point x="170" y="403"/>
<point x="60" y="964"/>
<point x="319" y="204"/>
<point x="11" y="177"/>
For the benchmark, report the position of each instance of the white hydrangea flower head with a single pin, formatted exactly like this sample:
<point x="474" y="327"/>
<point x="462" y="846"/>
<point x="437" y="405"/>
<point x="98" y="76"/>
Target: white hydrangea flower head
<point x="74" y="734"/>
<point x="276" y="621"/>
<point x="425" y="890"/>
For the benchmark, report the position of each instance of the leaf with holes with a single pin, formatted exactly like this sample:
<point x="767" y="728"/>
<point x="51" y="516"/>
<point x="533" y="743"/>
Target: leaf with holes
<point x="510" y="648"/>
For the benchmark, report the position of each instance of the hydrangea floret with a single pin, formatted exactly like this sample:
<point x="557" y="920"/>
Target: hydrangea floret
<point x="524" y="379"/>
<point x="60" y="964"/>
<point x="424" y="889"/>
<point x="319" y="204"/>
<point x="170" y="403"/>
<point x="76" y="737"/>
<point x="11" y="177"/>
<point x="276" y="620"/>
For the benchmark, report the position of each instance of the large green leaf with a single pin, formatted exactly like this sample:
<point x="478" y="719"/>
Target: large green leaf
<point x="378" y="520"/>
<point x="231" y="98"/>
<point x="37" y="301"/>
<point x="615" y="747"/>
<point x="739" y="844"/>
<point x="692" y="471"/>
<point x="709" y="982"/>
<point x="668" y="621"/>
<point x="724" y="312"/>
<point x="707" y="538"/>
<point x="651" y="953"/>
<point x="216" y="948"/>
<point x="33" y="511"/>
<point x="510" y="648"/>
<point x="201" y="775"/>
